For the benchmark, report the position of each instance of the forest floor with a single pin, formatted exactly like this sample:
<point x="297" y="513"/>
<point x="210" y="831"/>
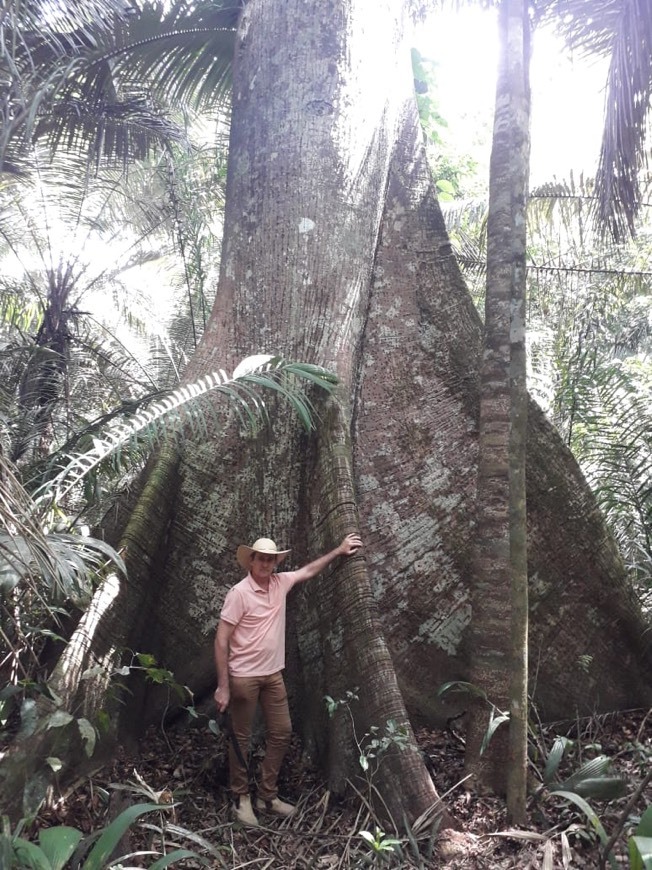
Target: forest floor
<point x="188" y="767"/>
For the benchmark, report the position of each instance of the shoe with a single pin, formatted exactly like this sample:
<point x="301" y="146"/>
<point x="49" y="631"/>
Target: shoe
<point x="276" y="806"/>
<point x="243" y="812"/>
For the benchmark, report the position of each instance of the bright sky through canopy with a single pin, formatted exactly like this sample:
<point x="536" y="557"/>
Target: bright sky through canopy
<point x="567" y="92"/>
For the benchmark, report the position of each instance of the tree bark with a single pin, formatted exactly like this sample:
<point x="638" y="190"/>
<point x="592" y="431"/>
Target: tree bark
<point x="500" y="582"/>
<point x="335" y="251"/>
<point x="517" y="61"/>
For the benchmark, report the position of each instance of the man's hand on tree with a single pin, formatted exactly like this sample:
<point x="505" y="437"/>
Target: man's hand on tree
<point x="222" y="697"/>
<point x="350" y="545"/>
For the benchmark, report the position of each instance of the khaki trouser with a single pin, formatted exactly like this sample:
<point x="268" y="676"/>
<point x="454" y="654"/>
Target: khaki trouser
<point x="246" y="692"/>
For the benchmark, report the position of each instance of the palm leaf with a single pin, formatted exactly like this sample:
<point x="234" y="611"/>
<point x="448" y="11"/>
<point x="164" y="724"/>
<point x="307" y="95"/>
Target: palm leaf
<point x="39" y="48"/>
<point x="629" y="91"/>
<point x="181" y="408"/>
<point x="106" y="86"/>
<point x="110" y="837"/>
<point x="178" y="855"/>
<point x="183" y="51"/>
<point x="622" y="31"/>
<point x="161" y="56"/>
<point x="591" y="816"/>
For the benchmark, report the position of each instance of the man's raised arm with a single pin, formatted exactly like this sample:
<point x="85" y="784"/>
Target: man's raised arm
<point x="350" y="545"/>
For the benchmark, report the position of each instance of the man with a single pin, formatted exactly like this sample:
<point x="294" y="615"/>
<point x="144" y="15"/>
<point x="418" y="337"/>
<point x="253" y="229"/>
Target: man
<point x="250" y="655"/>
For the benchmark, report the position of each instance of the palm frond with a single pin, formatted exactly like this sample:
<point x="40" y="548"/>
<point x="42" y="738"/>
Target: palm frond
<point x="161" y="56"/>
<point x="621" y="30"/>
<point x="42" y="571"/>
<point x="40" y="43"/>
<point x="613" y="441"/>
<point x="587" y="26"/>
<point x="107" y="89"/>
<point x="629" y="90"/>
<point x="182" y="408"/>
<point x="56" y="565"/>
<point x="119" y="131"/>
<point x="183" y="51"/>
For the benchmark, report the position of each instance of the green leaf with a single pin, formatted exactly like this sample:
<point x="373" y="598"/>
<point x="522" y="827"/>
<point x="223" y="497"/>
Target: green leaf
<point x="644" y="827"/>
<point x="590" y="814"/>
<point x="7" y="854"/>
<point x="45" y="632"/>
<point x="55" y="763"/>
<point x="178" y="855"/>
<point x="178" y="833"/>
<point x="389" y="843"/>
<point x="58" y="844"/>
<point x="59" y="719"/>
<point x="112" y="835"/>
<point x="103" y="722"/>
<point x="88" y="735"/>
<point x="592" y="769"/>
<point x="494" y="723"/>
<point x="445" y="186"/>
<point x="606" y="788"/>
<point x="28" y="717"/>
<point x="554" y="758"/>
<point x="30" y="855"/>
<point x="462" y="686"/>
<point x="445" y="190"/>
<point x="640" y="853"/>
<point x="9" y="578"/>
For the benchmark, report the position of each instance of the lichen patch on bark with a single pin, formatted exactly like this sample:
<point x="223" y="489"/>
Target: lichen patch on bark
<point x="447" y="631"/>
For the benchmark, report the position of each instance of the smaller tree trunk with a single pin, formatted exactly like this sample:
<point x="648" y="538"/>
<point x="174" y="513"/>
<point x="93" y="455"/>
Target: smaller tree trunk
<point x="500" y="585"/>
<point x="516" y="44"/>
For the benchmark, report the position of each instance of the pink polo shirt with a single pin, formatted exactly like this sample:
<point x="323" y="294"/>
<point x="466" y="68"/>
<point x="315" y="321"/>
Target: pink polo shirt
<point x="257" y="645"/>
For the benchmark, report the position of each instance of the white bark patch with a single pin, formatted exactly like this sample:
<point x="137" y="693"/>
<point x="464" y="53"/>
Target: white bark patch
<point x="205" y="605"/>
<point x="335" y="638"/>
<point x="393" y="309"/>
<point x="390" y="336"/>
<point x="368" y="483"/>
<point x="417" y="558"/>
<point x="445" y="631"/>
<point x="306" y="225"/>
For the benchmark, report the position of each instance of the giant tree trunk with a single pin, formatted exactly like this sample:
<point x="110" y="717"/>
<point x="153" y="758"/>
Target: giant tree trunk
<point x="335" y="252"/>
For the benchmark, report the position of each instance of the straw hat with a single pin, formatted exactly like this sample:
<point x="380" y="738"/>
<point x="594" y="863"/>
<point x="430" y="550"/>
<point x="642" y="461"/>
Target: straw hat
<point x="262" y="545"/>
